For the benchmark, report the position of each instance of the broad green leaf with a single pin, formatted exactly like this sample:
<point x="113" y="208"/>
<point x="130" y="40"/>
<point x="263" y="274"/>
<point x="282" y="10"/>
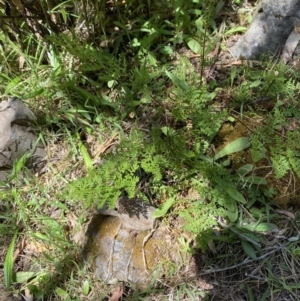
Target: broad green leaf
<point x="248" y="235"/>
<point x="261" y="227"/>
<point x="194" y="45"/>
<point x="33" y="93"/>
<point x="163" y="209"/>
<point x="61" y="293"/>
<point x="252" y="180"/>
<point x="207" y="159"/>
<point x="245" y="169"/>
<point x="177" y="81"/>
<point x="232" y="208"/>
<point x="200" y="25"/>
<point x="228" y="187"/>
<point x="256" y="180"/>
<point x="248" y="249"/>
<point x="226" y="163"/>
<point x="230" y="204"/>
<point x="255" y="84"/>
<point x="58" y="204"/>
<point x="111" y="83"/>
<point x="86" y="157"/>
<point x="236" y="195"/>
<point x="241" y="29"/>
<point x="196" y="12"/>
<point x="232" y="75"/>
<point x="9" y="262"/>
<point x="22" y="277"/>
<point x="233" y="147"/>
<point x="293" y="238"/>
<point x="233" y="216"/>
<point x="86" y="287"/>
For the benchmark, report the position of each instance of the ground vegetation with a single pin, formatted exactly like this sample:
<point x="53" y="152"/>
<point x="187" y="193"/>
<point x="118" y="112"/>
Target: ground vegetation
<point x="135" y="97"/>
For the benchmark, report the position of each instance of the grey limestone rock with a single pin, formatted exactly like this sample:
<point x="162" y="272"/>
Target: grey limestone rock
<point x="272" y="24"/>
<point x="17" y="137"/>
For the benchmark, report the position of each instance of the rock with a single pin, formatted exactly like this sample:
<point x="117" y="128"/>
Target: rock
<point x="133" y="213"/>
<point x="126" y="245"/>
<point x="17" y="138"/>
<point x="272" y="24"/>
<point x="290" y="46"/>
<point x="117" y="253"/>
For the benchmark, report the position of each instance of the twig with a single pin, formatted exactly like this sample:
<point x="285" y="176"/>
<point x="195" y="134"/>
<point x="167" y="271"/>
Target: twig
<point x="214" y="54"/>
<point x="242" y="123"/>
<point x="146" y="238"/>
<point x="255" y="277"/>
<point x="239" y="234"/>
<point x="242" y="263"/>
<point x="104" y="146"/>
<point x="128" y="264"/>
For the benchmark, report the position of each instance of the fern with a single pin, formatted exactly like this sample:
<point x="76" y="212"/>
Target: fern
<point x="283" y="150"/>
<point x="104" y="184"/>
<point x="294" y="159"/>
<point x="168" y="159"/>
<point x="120" y="172"/>
<point x="258" y="150"/>
<point x="200" y="218"/>
<point x="281" y="165"/>
<point x="293" y="151"/>
<point x="151" y="163"/>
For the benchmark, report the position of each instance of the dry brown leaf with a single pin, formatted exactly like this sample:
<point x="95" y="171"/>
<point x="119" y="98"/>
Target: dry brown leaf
<point x="116" y="294"/>
<point x="105" y="145"/>
<point x="55" y="213"/>
<point x="19" y="249"/>
<point x="28" y="295"/>
<point x="285" y="212"/>
<point x="79" y="237"/>
<point x="37" y="247"/>
<point x="72" y="220"/>
<point x="21" y="62"/>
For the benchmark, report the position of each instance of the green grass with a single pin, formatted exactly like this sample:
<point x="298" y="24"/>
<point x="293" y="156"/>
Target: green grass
<point x="119" y="101"/>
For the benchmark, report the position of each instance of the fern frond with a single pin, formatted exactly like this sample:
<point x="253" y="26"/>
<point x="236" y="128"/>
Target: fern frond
<point x="281" y="165"/>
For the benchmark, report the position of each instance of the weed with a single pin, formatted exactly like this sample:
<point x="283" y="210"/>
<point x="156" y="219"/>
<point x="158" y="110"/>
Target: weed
<point x="90" y="69"/>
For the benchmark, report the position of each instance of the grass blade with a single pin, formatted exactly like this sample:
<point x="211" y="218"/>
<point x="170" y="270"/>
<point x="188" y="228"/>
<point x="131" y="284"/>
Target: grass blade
<point x="9" y="262"/>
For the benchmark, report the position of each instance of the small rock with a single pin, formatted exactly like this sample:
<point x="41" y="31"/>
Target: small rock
<point x="272" y="24"/>
<point x="17" y="138"/>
